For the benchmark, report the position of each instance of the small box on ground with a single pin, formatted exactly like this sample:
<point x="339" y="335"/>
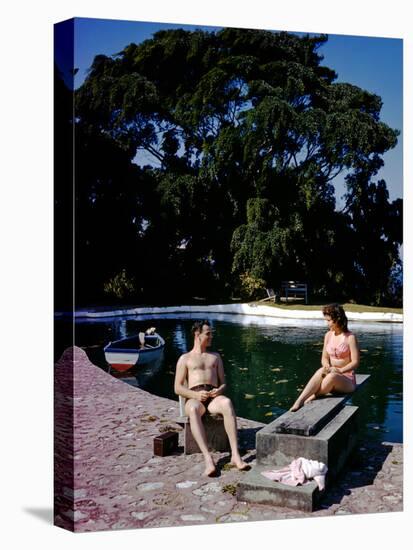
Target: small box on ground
<point x="165" y="444"/>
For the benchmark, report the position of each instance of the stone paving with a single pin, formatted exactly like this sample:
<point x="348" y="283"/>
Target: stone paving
<point x="107" y="477"/>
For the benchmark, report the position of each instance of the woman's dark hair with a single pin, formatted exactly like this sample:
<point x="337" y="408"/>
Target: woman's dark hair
<point x="337" y="314"/>
<point x="197" y="326"/>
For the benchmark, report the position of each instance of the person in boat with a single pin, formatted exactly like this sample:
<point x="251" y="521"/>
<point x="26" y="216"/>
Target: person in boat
<point x="200" y="379"/>
<point x="339" y="359"/>
<point x="149" y="332"/>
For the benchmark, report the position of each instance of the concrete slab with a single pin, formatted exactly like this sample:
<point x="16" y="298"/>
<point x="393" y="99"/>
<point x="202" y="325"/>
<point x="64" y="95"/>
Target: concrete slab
<point x="332" y="445"/>
<point x="315" y="415"/>
<point x="257" y="489"/>
<point x="309" y="419"/>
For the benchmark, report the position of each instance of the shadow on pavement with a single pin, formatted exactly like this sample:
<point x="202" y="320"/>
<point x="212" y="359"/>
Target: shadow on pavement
<point x="360" y="471"/>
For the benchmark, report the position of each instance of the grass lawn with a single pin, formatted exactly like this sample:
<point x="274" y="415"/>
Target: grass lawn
<point x="359" y="308"/>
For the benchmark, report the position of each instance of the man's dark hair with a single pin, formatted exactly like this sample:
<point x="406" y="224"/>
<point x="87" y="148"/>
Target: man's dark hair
<point x="197" y="326"/>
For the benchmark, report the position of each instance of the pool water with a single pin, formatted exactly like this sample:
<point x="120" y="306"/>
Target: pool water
<point x="267" y="362"/>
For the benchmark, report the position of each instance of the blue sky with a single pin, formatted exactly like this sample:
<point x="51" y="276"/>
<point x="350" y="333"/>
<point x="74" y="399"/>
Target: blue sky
<point x="375" y="64"/>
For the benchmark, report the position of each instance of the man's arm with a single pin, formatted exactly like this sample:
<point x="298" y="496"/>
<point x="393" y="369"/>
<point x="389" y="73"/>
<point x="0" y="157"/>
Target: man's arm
<point x="221" y="378"/>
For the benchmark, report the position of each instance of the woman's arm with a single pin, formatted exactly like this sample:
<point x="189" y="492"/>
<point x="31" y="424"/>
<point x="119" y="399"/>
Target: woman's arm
<point x="325" y="358"/>
<point x="354" y="355"/>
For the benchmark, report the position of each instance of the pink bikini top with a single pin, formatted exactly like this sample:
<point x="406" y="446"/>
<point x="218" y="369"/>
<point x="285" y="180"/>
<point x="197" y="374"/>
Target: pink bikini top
<point x="342" y="350"/>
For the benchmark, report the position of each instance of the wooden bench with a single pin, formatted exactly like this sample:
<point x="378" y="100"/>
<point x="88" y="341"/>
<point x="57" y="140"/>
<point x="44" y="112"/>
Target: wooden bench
<point x="217" y="438"/>
<point x="271" y="295"/>
<point x="294" y="288"/>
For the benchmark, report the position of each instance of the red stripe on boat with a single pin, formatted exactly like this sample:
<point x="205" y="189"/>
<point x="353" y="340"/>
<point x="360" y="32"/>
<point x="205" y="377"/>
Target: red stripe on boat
<point x="121" y="367"/>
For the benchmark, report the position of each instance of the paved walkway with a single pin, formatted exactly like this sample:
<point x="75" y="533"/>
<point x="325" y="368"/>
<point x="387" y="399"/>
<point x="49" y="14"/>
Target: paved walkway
<point x="117" y="482"/>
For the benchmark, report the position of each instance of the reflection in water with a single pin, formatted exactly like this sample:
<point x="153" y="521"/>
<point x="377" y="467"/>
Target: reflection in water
<point x="267" y="362"/>
<point x="179" y="338"/>
<point x="123" y="333"/>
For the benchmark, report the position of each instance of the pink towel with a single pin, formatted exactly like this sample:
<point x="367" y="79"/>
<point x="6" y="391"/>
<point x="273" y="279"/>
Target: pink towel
<point x="299" y="472"/>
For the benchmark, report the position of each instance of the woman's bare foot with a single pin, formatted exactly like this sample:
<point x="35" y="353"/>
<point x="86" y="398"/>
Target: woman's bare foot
<point x="309" y="399"/>
<point x="297" y="405"/>
<point x="239" y="463"/>
<point x="210" y="468"/>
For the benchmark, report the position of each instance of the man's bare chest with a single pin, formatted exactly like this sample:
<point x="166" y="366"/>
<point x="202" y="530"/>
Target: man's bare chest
<point x="204" y="362"/>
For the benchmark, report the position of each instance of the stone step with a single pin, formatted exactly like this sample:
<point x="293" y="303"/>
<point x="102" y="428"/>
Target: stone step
<point x="332" y="445"/>
<point x="256" y="488"/>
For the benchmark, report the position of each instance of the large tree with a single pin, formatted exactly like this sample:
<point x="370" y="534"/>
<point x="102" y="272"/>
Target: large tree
<point x="247" y="132"/>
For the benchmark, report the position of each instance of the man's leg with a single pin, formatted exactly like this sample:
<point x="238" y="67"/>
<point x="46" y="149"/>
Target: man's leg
<point x="195" y="409"/>
<point x="222" y="405"/>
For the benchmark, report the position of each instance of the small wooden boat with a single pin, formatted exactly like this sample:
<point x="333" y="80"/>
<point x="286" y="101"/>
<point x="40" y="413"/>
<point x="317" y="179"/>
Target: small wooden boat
<point x="137" y="350"/>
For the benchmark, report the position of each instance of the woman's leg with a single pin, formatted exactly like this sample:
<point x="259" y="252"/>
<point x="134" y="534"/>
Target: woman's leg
<point x="312" y="387"/>
<point x="336" y="382"/>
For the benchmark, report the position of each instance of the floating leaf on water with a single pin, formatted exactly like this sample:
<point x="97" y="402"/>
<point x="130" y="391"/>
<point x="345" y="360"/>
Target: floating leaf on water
<point x="249" y="396"/>
<point x="281" y="381"/>
<point x="269" y="413"/>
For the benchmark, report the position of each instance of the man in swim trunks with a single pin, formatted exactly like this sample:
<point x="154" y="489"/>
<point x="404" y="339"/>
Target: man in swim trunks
<point x="203" y="372"/>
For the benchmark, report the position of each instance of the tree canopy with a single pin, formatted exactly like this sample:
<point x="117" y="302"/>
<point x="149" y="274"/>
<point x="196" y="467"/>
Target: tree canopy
<point x="246" y="132"/>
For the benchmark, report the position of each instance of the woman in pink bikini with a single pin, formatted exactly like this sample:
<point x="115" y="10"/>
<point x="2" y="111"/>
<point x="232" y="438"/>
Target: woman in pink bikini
<point x="339" y="359"/>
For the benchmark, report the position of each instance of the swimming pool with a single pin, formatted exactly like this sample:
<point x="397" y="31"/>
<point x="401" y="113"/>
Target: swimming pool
<point x="267" y="361"/>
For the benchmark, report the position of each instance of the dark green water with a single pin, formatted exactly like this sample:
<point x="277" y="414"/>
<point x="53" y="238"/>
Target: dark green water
<point x="267" y="362"/>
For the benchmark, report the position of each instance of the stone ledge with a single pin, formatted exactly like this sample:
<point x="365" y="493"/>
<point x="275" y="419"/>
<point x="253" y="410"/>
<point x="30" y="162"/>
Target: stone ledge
<point x="255" y="488"/>
<point x="242" y="309"/>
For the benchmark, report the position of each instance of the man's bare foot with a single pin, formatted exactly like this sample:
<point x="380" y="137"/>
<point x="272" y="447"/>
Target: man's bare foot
<point x="210" y="468"/>
<point x="240" y="464"/>
<point x="309" y="399"/>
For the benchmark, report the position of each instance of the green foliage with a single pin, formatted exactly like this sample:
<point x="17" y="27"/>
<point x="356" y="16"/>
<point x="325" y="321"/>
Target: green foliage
<point x="230" y="488"/>
<point x="251" y="286"/>
<point x="247" y="131"/>
<point x="120" y="286"/>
